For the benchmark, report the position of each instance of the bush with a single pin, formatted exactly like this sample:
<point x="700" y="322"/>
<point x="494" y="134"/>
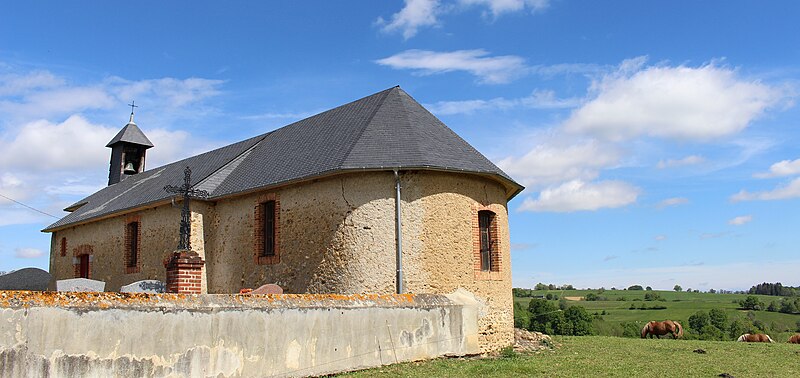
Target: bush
<point x="751" y="303"/>
<point x="631" y="329"/>
<point x="698" y="321"/>
<point x="581" y="321"/>
<point x="788" y="306"/>
<point x="635" y="287"/>
<point x="652" y="297"/>
<point x="710" y="332"/>
<point x="736" y="329"/>
<point x="590" y="297"/>
<point x="718" y="318"/>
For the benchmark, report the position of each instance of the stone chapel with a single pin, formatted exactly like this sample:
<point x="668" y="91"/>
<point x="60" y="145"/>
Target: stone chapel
<point x="374" y="196"/>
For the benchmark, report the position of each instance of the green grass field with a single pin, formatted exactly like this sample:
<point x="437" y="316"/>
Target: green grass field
<point x="599" y="356"/>
<point x="680" y="305"/>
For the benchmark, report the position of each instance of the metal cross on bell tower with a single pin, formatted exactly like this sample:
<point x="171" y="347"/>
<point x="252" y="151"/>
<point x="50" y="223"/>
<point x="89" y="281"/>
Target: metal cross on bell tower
<point x="187" y="192"/>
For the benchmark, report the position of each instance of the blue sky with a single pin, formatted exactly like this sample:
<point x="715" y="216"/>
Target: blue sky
<point x="657" y="140"/>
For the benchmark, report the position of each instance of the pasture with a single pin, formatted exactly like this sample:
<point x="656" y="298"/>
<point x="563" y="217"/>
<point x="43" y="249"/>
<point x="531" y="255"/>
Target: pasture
<point x="599" y="356"/>
<point x="680" y="305"/>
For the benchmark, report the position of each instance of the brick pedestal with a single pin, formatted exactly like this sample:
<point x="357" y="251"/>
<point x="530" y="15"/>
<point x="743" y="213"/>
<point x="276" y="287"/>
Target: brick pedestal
<point x="184" y="272"/>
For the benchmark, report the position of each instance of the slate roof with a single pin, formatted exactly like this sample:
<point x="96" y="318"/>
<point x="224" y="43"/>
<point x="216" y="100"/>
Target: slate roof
<point x="383" y="131"/>
<point x="132" y="134"/>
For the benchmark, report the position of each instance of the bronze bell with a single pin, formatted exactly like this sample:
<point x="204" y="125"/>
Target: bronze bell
<point x="129" y="169"/>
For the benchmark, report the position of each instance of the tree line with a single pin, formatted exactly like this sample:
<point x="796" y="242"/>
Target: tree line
<point x="775" y="289"/>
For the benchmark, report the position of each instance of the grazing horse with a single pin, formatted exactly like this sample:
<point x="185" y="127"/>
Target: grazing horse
<point x="755" y="338"/>
<point x="795" y="339"/>
<point x="659" y="329"/>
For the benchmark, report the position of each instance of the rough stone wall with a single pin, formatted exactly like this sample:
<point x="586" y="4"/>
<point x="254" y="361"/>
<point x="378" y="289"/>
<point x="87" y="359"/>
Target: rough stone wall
<point x="159" y="237"/>
<point x="168" y="335"/>
<point x="446" y="261"/>
<point x="337" y="235"/>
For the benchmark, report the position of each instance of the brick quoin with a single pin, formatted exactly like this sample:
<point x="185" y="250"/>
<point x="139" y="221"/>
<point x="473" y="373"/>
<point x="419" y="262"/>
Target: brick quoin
<point x="495" y="256"/>
<point x="130" y="268"/>
<point x="258" y="230"/>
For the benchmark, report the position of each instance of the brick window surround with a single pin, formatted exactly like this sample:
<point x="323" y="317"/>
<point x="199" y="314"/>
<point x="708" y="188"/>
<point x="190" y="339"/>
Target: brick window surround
<point x="261" y="255"/>
<point x="491" y="239"/>
<point x="83" y="254"/>
<point x="63" y="246"/>
<point x="133" y="243"/>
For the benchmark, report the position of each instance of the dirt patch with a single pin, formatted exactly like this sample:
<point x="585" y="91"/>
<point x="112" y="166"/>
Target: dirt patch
<point x="526" y="341"/>
<point x="574" y="298"/>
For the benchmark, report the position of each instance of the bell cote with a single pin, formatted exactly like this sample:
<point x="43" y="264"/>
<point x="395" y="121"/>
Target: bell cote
<point x="128" y="149"/>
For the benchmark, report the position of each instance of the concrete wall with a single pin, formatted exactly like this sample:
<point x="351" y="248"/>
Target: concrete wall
<point x="337" y="235"/>
<point x="108" y="334"/>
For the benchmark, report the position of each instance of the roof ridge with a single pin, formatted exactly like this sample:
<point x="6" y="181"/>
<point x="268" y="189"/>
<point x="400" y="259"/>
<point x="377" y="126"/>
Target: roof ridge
<point x="366" y="125"/>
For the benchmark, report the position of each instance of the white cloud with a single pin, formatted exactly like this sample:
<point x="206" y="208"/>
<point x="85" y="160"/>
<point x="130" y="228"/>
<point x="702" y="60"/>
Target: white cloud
<point x="28" y="253"/>
<point x="781" y="168"/>
<point x="577" y="195"/>
<point x="539" y="99"/>
<point x="488" y="69"/>
<point x="41" y="145"/>
<point x="674" y="201"/>
<point x="14" y="84"/>
<point x="685" y="103"/>
<point x="673" y="163"/>
<point x="740" y="220"/>
<point x="661" y="237"/>
<point x="554" y="164"/>
<point x="499" y="7"/>
<point x="414" y="15"/>
<point x="165" y="92"/>
<point x="788" y="191"/>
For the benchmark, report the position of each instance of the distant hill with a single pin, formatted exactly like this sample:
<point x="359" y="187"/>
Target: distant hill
<point x="34" y="279"/>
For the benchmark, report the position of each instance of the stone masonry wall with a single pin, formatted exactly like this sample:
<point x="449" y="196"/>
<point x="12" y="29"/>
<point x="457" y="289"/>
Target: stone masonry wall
<point x="336" y="235"/>
<point x="105" y="241"/>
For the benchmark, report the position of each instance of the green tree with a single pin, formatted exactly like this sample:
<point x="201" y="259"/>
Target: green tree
<point x="788" y="306"/>
<point x="540" y="286"/>
<point x="773" y="306"/>
<point x="751" y="303"/>
<point x="718" y="318"/>
<point x="635" y="287"/>
<point x="590" y="297"/>
<point x="736" y="328"/>
<point x="581" y="321"/>
<point x="549" y="296"/>
<point x="522" y="317"/>
<point x="649" y="288"/>
<point x="543" y="316"/>
<point x="677" y="288"/>
<point x="698" y="321"/>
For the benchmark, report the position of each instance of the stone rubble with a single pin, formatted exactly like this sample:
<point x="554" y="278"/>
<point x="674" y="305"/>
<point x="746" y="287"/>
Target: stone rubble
<point x="527" y="341"/>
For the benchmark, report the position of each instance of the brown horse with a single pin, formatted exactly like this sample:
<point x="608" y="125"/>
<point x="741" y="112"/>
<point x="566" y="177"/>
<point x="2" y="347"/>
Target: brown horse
<point x="755" y="338"/>
<point x="659" y="329"/>
<point x="795" y="339"/>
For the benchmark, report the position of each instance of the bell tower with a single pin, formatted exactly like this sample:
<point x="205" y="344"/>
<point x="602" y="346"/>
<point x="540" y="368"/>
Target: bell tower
<point x="127" y="151"/>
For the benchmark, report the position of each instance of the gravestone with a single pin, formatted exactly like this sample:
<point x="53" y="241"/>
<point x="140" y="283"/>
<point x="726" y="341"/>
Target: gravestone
<point x="145" y="286"/>
<point x="268" y="289"/>
<point x="80" y="284"/>
<point x="33" y="279"/>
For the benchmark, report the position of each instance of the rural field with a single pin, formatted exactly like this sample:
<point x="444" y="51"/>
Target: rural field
<point x="585" y="356"/>
<point x="679" y="306"/>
